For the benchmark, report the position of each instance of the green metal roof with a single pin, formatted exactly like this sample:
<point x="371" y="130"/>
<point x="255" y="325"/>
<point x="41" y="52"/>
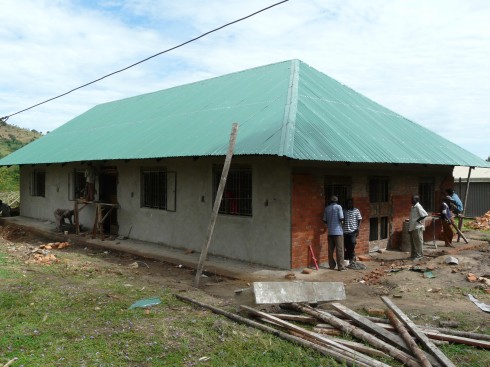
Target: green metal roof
<point x="284" y="109"/>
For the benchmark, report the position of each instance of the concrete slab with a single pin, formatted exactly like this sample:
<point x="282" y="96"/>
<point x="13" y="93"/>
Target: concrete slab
<point x="262" y="293"/>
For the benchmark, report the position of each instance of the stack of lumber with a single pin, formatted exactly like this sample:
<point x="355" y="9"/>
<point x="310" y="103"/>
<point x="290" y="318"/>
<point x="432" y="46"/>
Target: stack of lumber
<point x="398" y="337"/>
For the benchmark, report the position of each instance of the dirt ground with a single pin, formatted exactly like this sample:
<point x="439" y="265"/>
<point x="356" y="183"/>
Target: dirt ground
<point x="421" y="297"/>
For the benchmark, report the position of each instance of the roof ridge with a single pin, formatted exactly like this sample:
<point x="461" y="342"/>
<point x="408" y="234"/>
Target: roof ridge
<point x="289" y="120"/>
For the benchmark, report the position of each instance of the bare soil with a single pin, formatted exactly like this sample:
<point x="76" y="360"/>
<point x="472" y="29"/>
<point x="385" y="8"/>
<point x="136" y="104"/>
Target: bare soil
<point x="443" y="297"/>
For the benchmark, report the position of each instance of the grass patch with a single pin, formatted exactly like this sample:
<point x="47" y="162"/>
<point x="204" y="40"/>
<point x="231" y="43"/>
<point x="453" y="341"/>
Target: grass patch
<point x="77" y="315"/>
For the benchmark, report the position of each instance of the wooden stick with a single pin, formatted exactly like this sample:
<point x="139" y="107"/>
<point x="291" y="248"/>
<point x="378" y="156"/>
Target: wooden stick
<point x="408" y="339"/>
<point x="371" y="327"/>
<point x="9" y="363"/>
<point x="299" y="341"/>
<point x="217" y="203"/>
<point x="457" y="339"/>
<point x="359" y="357"/>
<point x="425" y="329"/>
<point x="459" y="232"/>
<point x="421" y="337"/>
<point x="394" y="352"/>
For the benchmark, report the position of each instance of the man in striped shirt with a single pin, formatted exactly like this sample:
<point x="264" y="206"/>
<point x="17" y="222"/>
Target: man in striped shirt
<point x="352" y="225"/>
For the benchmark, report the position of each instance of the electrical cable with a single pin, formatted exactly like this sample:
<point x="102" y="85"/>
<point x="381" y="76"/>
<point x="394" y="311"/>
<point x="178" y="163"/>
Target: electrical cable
<point x="5" y="118"/>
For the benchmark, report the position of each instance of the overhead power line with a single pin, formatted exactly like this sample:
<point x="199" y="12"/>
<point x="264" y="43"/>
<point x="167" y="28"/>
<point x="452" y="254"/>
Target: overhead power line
<point x="5" y="118"/>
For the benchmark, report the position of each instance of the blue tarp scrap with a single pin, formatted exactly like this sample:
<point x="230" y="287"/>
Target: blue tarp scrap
<point x="143" y="303"/>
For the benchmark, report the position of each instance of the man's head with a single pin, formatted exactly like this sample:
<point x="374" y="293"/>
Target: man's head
<point x="334" y="199"/>
<point x="449" y="191"/>
<point x="350" y="204"/>
<point x="415" y="199"/>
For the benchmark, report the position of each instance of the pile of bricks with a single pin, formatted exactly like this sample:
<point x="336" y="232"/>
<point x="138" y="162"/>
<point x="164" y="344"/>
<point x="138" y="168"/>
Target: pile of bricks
<point x="42" y="256"/>
<point x="481" y="223"/>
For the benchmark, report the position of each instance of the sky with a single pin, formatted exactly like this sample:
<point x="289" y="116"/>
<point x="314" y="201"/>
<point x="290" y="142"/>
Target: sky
<point x="428" y="60"/>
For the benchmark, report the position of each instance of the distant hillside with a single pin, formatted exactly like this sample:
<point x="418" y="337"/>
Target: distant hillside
<point x="11" y="139"/>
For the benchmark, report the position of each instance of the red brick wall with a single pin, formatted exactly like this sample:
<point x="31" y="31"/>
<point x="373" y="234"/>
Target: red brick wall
<point x="307" y="203"/>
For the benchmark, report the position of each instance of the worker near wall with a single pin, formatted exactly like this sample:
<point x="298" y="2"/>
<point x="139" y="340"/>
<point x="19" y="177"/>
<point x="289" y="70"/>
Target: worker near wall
<point x="351" y="227"/>
<point x="416" y="228"/>
<point x="4" y="209"/>
<point x="60" y="215"/>
<point x="456" y="203"/>
<point x="333" y="217"/>
<point x="446" y="219"/>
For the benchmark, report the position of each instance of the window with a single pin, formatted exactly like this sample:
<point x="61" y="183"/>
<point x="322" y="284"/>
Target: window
<point x="38" y="183"/>
<point x="340" y="187"/>
<point x="158" y="189"/>
<point x="378" y="190"/>
<point x="76" y="184"/>
<point x="237" y="196"/>
<point x="426" y="193"/>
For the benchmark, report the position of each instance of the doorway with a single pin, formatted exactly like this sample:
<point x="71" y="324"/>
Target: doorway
<point x="380" y="213"/>
<point x="108" y="194"/>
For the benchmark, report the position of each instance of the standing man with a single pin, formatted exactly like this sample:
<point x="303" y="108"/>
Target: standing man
<point x="352" y="225"/>
<point x="446" y="219"/>
<point x="333" y="217"/>
<point x="416" y="228"/>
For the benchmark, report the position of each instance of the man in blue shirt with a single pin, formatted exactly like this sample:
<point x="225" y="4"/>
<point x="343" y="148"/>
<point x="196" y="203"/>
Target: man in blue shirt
<point x="333" y="217"/>
<point x="456" y="201"/>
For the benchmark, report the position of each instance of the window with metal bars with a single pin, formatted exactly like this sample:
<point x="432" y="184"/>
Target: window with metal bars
<point x="237" y="196"/>
<point x="38" y="183"/>
<point x="378" y="190"/>
<point x="157" y="187"/>
<point x="426" y="193"/>
<point x="76" y="184"/>
<point x="340" y="187"/>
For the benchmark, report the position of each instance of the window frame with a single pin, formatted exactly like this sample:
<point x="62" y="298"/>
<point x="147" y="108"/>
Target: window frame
<point x="76" y="184"/>
<point x="239" y="202"/>
<point x="427" y="194"/>
<point x="37" y="183"/>
<point x="340" y="186"/>
<point x="168" y="191"/>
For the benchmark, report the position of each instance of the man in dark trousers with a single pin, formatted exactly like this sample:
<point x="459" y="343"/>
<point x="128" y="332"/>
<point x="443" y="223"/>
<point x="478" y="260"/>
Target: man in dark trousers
<point x="333" y="217"/>
<point x="351" y="227"/>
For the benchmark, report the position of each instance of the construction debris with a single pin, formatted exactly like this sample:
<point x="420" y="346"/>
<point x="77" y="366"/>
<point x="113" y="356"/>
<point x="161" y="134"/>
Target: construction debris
<point x="42" y="254"/>
<point x="481" y="223"/>
<point x="383" y="338"/>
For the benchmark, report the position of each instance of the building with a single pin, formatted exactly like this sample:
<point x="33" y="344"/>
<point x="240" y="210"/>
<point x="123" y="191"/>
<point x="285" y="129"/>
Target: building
<point x="478" y="200"/>
<point x="302" y="137"/>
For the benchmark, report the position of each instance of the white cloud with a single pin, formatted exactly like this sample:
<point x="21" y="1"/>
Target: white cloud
<point x="425" y="60"/>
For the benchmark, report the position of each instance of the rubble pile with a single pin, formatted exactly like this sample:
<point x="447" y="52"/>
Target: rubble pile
<point x="481" y="223"/>
<point x="42" y="254"/>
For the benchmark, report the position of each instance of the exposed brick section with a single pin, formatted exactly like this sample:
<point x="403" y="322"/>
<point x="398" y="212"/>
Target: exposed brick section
<point x="307" y="203"/>
<point x="362" y="203"/>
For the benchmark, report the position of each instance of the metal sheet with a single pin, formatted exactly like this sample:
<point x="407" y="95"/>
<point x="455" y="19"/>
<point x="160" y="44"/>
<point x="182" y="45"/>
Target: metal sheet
<point x="288" y="292"/>
<point x="284" y="109"/>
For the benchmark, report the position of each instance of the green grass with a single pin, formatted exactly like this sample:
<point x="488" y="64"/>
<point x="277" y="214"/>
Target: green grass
<point x="75" y="313"/>
<point x="78" y="316"/>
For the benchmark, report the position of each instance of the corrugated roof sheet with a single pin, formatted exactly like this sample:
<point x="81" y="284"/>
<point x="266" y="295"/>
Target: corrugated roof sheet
<point x="285" y="109"/>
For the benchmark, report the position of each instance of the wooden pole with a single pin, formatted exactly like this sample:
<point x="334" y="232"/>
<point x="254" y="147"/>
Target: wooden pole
<point x="460" y="222"/>
<point x="358" y="357"/>
<point x="217" y="203"/>
<point x="408" y="339"/>
<point x="394" y="352"/>
<point x="299" y="341"/>
<point x="421" y="337"/>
